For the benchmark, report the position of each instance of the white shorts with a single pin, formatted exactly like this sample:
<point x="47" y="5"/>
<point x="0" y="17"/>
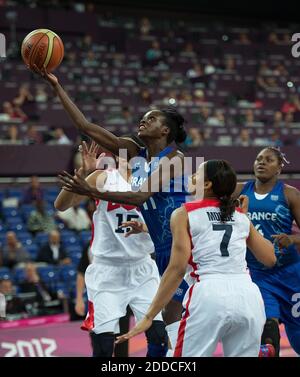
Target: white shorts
<point x="228" y="309"/>
<point x="111" y="288"/>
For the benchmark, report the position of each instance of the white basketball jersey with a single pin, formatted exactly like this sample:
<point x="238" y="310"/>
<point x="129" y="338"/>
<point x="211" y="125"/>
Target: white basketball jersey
<point x="217" y="247"/>
<point x="108" y="240"/>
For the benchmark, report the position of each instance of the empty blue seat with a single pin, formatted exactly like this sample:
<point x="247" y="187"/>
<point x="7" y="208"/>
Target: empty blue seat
<point x="68" y="273"/>
<point x="73" y="249"/>
<point x="10" y="212"/>
<point x="49" y="275"/>
<point x="75" y="258"/>
<point x="16" y="227"/>
<point x="15" y="193"/>
<point x="19" y="274"/>
<point x="70" y="241"/>
<point x="14" y="220"/>
<point x="33" y="250"/>
<point x="41" y="238"/>
<point x="5" y="273"/>
<point x="86" y="236"/>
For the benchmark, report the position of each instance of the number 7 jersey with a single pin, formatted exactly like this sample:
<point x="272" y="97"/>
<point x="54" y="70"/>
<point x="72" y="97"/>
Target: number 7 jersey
<point x="217" y="247"/>
<point x="108" y="239"/>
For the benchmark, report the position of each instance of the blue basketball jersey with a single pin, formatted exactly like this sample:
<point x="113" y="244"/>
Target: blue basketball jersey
<point x="158" y="208"/>
<point x="270" y="215"/>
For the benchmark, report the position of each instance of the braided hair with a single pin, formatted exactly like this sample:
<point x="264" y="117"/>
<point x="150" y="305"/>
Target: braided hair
<point x="175" y="122"/>
<point x="281" y="157"/>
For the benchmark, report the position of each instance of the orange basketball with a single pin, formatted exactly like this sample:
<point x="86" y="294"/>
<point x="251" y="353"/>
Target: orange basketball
<point x="44" y="48"/>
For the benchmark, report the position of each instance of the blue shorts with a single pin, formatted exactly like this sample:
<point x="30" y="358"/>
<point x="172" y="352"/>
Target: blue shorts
<point x="280" y="289"/>
<point x="162" y="258"/>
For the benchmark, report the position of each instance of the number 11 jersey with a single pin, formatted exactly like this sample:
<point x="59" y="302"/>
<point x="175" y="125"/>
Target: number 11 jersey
<point x="108" y="239"/>
<point x="217" y="247"/>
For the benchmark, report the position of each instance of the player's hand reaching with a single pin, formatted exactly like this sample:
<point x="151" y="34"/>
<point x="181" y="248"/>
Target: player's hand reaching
<point x="89" y="157"/>
<point x="76" y="183"/>
<point x="136" y="227"/>
<point x="53" y="80"/>
<point x="140" y="327"/>
<point x="244" y="203"/>
<point x="283" y="240"/>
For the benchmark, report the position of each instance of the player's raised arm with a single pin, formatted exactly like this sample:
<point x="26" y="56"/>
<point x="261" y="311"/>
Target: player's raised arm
<point x="102" y="137"/>
<point x="262" y="249"/>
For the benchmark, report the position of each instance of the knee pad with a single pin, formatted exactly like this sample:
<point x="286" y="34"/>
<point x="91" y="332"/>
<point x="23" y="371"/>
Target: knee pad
<point x="103" y="344"/>
<point x="157" y="340"/>
<point x="271" y="335"/>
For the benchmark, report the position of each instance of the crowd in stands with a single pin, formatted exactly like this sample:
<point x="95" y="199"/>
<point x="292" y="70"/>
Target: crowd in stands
<point x="235" y="84"/>
<point x="39" y="250"/>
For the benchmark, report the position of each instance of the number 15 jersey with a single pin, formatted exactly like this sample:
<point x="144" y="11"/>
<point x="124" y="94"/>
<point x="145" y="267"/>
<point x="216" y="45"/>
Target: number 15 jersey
<point x="217" y="247"/>
<point x="108" y="239"/>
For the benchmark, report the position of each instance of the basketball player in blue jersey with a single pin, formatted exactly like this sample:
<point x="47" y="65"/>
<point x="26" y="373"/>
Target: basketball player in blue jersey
<point x="157" y="130"/>
<point x="273" y="206"/>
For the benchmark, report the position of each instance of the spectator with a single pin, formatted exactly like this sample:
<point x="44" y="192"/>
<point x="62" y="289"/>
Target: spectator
<point x="188" y="51"/>
<point x="244" y="139"/>
<point x="289" y="118"/>
<point x="32" y="136"/>
<point x="146" y="97"/>
<point x="230" y="65"/>
<point x="273" y="39"/>
<point x="275" y="140"/>
<point x="244" y="39"/>
<point x="13" y="112"/>
<point x="154" y="53"/>
<point x="264" y="69"/>
<point x="90" y="61"/>
<point x="86" y="44"/>
<point x="278" y="119"/>
<point x="145" y="26"/>
<point x="13" y="252"/>
<point x="194" y="138"/>
<point x="59" y="138"/>
<point x="41" y="95"/>
<point x="13" y="304"/>
<point x="196" y="73"/>
<point x="53" y="252"/>
<point x="39" y="220"/>
<point x="292" y="104"/>
<point x="280" y="70"/>
<point x="33" y="192"/>
<point x="12" y="136"/>
<point x="216" y="119"/>
<point x="33" y="284"/>
<point x="23" y="96"/>
<point x="75" y="218"/>
<point x="127" y="115"/>
<point x="204" y="114"/>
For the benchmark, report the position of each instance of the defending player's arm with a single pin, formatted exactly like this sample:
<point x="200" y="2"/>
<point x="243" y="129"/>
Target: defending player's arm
<point x="293" y="198"/>
<point x="262" y="249"/>
<point x="66" y="199"/>
<point x="104" y="138"/>
<point x="155" y="183"/>
<point x="172" y="277"/>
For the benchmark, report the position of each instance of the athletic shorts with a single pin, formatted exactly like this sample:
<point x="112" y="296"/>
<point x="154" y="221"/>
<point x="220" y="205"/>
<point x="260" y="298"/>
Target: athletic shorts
<point x="221" y="308"/>
<point x="112" y="287"/>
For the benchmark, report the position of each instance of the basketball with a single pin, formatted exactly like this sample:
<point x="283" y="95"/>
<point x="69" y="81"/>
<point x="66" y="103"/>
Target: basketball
<point x="42" y="47"/>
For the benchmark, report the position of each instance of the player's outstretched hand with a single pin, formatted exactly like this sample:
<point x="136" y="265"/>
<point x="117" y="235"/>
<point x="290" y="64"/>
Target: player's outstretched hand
<point x="283" y="240"/>
<point x="136" y="227"/>
<point x="76" y="183"/>
<point x="89" y="157"/>
<point x="53" y="80"/>
<point x="244" y="203"/>
<point x="140" y="327"/>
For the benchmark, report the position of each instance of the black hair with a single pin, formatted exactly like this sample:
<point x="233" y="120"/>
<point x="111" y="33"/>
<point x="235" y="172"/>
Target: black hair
<point x="223" y="179"/>
<point x="279" y="155"/>
<point x="175" y="122"/>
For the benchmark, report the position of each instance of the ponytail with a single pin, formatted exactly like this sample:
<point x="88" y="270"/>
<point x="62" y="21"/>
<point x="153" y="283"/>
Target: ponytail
<point x="223" y="179"/>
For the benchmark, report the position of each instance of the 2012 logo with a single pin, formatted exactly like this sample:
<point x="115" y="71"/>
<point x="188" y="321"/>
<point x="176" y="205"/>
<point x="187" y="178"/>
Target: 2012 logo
<point x="32" y="348"/>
